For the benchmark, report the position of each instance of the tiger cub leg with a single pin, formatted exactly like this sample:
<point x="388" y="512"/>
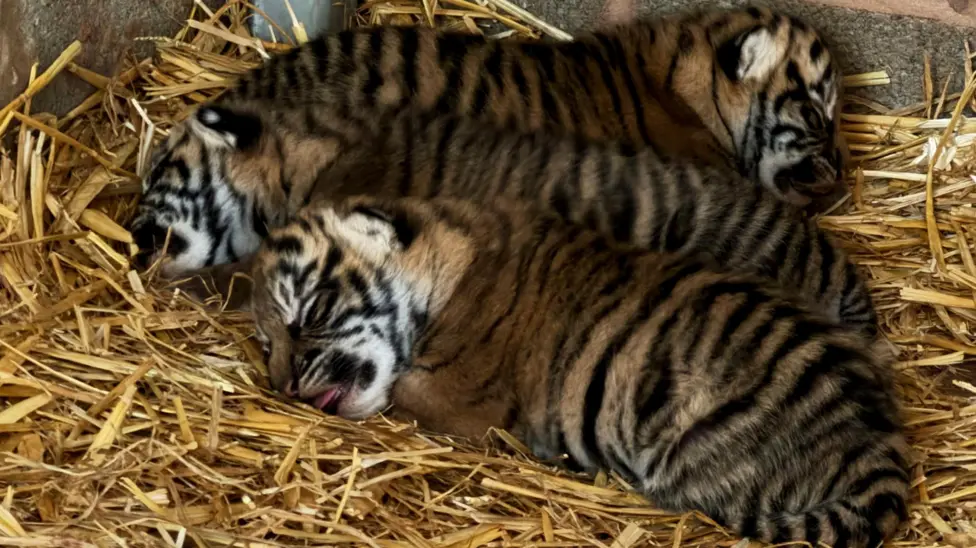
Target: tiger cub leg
<point x="431" y="397"/>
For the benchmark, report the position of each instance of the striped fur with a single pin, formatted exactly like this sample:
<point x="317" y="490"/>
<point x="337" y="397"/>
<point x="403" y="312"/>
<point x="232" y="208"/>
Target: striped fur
<point x="750" y="89"/>
<point x="747" y="90"/>
<point x="708" y="391"/>
<point x="633" y="196"/>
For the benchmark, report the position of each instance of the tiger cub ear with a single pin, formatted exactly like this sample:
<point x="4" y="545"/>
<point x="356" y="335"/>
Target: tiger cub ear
<point x="753" y="55"/>
<point x="395" y="219"/>
<point x="225" y="128"/>
<point x="370" y="231"/>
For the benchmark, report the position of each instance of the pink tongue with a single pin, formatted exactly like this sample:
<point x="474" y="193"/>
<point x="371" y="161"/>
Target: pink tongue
<point x="326" y="398"/>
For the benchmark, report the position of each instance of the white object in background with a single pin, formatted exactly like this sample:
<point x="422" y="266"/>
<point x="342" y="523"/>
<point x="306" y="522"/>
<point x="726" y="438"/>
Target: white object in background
<point x="318" y="16"/>
<point x="948" y="155"/>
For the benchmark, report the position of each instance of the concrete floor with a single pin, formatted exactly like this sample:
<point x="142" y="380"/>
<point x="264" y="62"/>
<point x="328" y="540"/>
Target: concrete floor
<point x="862" y="41"/>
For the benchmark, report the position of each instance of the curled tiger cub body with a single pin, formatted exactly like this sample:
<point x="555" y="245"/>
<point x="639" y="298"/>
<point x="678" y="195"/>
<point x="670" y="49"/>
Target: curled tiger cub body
<point x="632" y="195"/>
<point x="708" y="391"/>
<point x="750" y="91"/>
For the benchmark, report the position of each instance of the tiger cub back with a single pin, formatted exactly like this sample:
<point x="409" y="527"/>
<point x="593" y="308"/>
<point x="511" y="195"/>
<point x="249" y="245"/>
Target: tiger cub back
<point x="751" y="89"/>
<point x="708" y="391"/>
<point x="747" y="90"/>
<point x="631" y="195"/>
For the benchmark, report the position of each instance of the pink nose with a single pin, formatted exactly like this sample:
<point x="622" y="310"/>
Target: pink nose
<point x="292" y="389"/>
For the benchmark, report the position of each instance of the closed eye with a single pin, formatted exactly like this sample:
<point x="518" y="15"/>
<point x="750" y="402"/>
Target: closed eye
<point x="318" y="312"/>
<point x="310" y="359"/>
<point x="812" y="118"/>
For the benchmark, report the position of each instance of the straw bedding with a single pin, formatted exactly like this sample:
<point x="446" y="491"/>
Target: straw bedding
<point x="131" y="416"/>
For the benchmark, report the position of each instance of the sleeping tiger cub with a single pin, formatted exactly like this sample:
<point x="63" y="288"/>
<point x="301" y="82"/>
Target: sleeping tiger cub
<point x="750" y="91"/>
<point x="630" y="195"/>
<point x="707" y="391"/>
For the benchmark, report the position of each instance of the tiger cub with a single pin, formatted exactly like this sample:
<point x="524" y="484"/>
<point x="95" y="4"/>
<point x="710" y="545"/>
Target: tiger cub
<point x="633" y="196"/>
<point x="706" y="390"/>
<point x="750" y="89"/>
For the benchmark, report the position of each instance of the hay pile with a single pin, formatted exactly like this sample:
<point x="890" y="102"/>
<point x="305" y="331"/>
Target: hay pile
<point x="131" y="416"/>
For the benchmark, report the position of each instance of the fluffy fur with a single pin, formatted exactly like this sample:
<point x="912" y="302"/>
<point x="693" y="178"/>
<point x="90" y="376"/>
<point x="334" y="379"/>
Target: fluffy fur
<point x="750" y="91"/>
<point x="708" y="391"/>
<point x="751" y="88"/>
<point x="631" y="195"/>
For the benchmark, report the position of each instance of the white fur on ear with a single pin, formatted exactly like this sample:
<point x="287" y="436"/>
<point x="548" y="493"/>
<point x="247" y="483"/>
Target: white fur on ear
<point x="209" y="116"/>
<point x="221" y="126"/>
<point x="759" y="54"/>
<point x="203" y="123"/>
<point x="373" y="238"/>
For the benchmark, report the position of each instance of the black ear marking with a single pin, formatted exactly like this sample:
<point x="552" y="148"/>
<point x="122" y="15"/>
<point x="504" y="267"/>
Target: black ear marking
<point x="245" y="128"/>
<point x="729" y="54"/>
<point x="753" y="54"/>
<point x="373" y="212"/>
<point x="398" y="220"/>
<point x="816" y="50"/>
